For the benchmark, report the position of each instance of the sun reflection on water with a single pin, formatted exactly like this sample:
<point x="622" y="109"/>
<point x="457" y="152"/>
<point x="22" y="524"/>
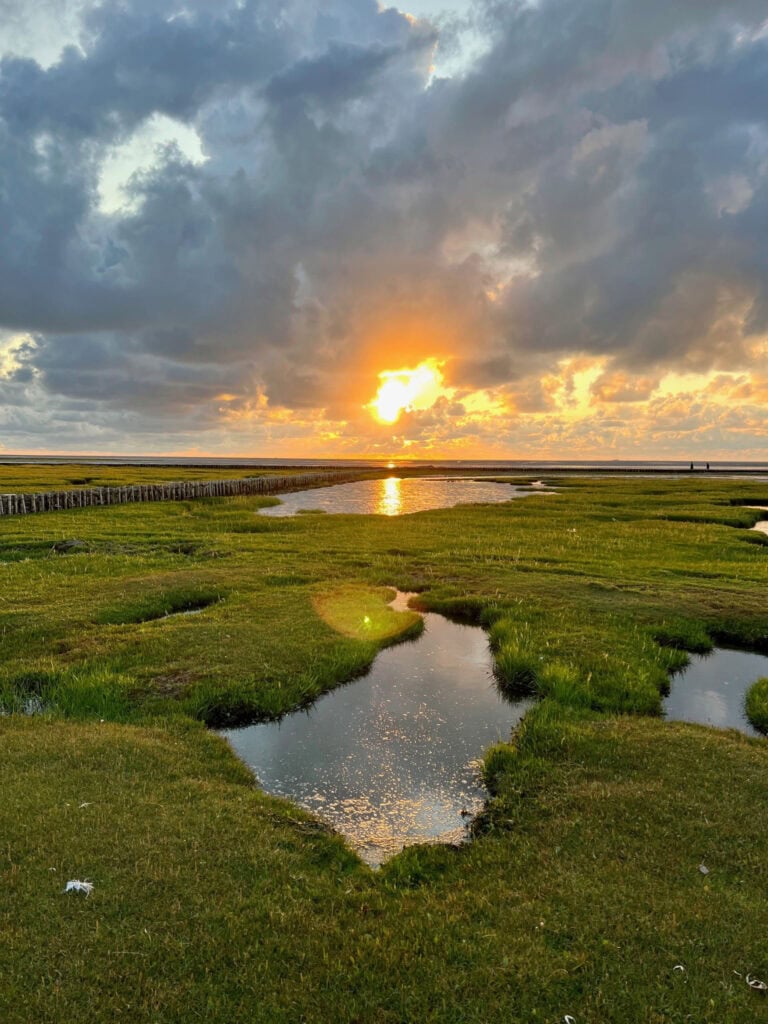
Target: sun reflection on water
<point x="390" y="498"/>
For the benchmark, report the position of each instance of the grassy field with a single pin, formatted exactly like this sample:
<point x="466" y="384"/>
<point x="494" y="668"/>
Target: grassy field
<point x="24" y="479"/>
<point x="582" y="894"/>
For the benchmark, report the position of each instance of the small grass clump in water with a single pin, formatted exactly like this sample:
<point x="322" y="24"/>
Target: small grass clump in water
<point x="757" y="705"/>
<point x="516" y="671"/>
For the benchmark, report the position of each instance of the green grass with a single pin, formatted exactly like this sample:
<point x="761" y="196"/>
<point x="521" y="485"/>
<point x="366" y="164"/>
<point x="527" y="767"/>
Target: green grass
<point x="212" y="901"/>
<point x="70" y="476"/>
<point x="91" y="692"/>
<point x="757" y="705"/>
<point x="157" y="605"/>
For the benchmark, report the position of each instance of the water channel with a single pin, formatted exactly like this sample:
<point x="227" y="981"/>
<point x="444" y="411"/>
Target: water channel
<point x="762" y="525"/>
<point x="397" y="496"/>
<point x="392" y="759"/>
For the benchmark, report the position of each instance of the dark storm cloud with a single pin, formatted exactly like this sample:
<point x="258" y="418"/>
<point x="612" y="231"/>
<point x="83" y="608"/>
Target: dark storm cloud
<point x="595" y="182"/>
<point x="340" y="74"/>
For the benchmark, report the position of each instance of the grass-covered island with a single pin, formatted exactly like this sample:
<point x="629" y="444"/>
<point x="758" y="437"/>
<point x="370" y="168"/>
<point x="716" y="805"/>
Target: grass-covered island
<point x="583" y="893"/>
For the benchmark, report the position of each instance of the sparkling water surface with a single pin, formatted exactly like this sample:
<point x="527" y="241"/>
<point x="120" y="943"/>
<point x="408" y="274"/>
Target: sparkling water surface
<point x="396" y="497"/>
<point x="392" y="759"/>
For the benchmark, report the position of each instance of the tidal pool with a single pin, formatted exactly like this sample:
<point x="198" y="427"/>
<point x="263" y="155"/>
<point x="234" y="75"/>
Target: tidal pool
<point x="392" y="759"/>
<point x="397" y="497"/>
<point x="712" y="689"/>
<point x="762" y="525"/>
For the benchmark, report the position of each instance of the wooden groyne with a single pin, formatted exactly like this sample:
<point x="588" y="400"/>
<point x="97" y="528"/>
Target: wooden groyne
<point x="183" y="490"/>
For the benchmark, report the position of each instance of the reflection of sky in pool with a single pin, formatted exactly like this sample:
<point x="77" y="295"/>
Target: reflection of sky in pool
<point x="395" y="496"/>
<point x="713" y="687"/>
<point x="391" y="759"/>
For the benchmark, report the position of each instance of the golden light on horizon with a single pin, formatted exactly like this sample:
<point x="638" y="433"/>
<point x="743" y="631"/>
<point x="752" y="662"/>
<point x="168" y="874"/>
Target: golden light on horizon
<point x="405" y="390"/>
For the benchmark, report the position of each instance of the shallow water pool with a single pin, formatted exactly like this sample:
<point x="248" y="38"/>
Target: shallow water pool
<point x="762" y="525"/>
<point x="397" y="497"/>
<point x="392" y="759"/>
<point x="712" y="689"/>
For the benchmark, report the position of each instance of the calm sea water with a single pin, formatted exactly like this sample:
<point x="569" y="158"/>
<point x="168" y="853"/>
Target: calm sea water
<point x="523" y="465"/>
<point x="395" y="497"/>
<point x="392" y="759"/>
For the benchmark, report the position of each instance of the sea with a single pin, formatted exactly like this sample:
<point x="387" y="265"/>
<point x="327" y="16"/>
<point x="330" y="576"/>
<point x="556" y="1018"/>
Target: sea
<point x="449" y="465"/>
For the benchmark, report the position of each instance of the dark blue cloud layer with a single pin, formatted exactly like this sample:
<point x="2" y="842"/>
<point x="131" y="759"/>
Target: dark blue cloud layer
<point x="596" y="181"/>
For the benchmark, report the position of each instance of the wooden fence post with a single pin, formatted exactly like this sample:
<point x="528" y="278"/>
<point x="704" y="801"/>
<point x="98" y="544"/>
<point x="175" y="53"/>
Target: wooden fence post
<point x="56" y="501"/>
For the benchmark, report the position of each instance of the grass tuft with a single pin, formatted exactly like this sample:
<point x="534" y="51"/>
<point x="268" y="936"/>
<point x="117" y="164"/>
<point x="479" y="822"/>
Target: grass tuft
<point x="81" y="693"/>
<point x="757" y="705"/>
<point x="685" y="635"/>
<point x="516" y="671"/>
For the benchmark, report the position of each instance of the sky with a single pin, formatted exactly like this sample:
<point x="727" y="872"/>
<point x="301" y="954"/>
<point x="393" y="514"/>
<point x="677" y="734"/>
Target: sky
<point x="479" y="229"/>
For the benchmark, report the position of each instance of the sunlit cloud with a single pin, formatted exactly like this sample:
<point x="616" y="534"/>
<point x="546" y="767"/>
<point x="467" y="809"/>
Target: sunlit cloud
<point x="10" y="348"/>
<point x="444" y="229"/>
<point x="407" y="390"/>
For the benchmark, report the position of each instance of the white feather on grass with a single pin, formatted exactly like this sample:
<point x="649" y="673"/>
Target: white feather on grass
<point x="75" y="885"/>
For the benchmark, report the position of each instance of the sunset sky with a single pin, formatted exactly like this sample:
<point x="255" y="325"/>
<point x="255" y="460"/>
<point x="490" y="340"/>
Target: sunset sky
<point x="490" y="229"/>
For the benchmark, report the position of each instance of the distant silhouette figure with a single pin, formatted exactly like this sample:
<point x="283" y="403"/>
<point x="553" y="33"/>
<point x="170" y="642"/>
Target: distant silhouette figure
<point x="707" y="467"/>
<point x="691" y="467"/>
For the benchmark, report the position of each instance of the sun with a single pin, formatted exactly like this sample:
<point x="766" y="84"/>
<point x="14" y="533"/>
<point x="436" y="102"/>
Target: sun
<point x="393" y="396"/>
<point x="405" y="390"/>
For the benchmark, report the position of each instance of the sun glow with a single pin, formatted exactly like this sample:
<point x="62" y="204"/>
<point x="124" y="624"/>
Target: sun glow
<point x="405" y="390"/>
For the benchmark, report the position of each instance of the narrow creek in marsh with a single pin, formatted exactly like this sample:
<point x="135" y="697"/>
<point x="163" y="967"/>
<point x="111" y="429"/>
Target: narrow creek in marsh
<point x="762" y="525"/>
<point x="392" y="759"/>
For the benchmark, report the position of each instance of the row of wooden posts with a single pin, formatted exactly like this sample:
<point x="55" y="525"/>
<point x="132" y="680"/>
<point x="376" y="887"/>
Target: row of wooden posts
<point x="184" y="490"/>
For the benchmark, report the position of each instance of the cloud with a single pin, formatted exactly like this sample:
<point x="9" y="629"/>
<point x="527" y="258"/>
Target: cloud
<point x="593" y="184"/>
